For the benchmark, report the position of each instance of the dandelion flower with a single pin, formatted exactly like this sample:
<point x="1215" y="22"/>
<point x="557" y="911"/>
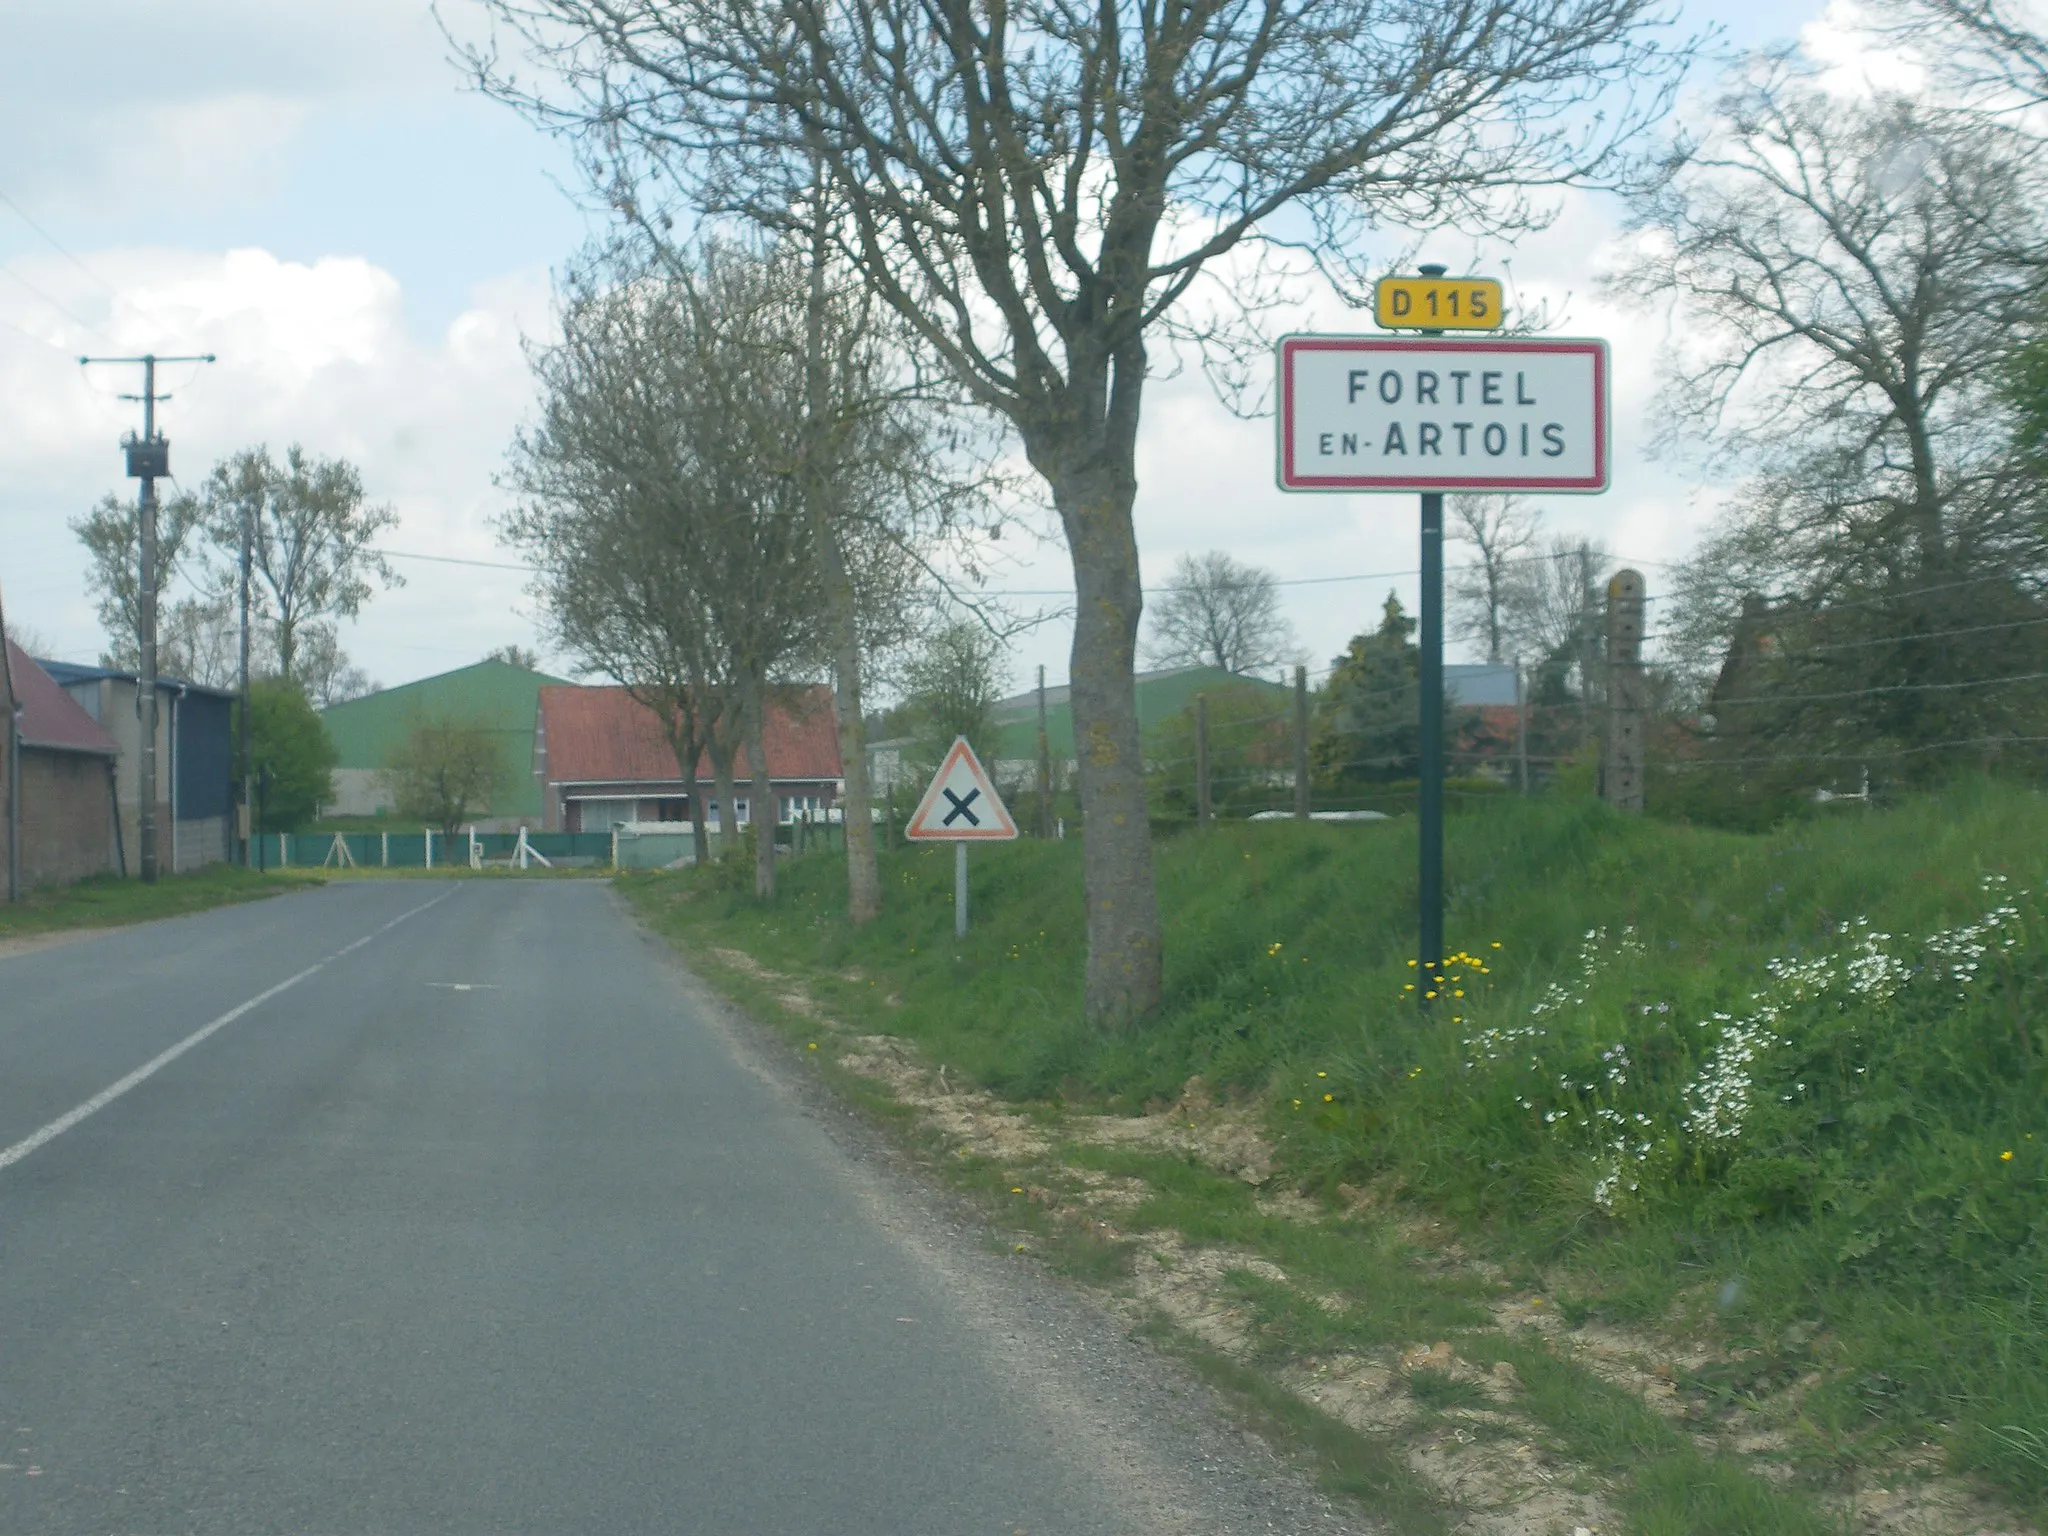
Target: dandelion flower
<point x="1411" y="965"/>
<point x="1460" y="992"/>
<point x="1322" y="1074"/>
<point x="1409" y="988"/>
<point x="812" y="1046"/>
<point x="2006" y="1156"/>
<point x="1329" y="1098"/>
<point x="1429" y="994"/>
<point x="1016" y="1189"/>
<point x="1496" y="943"/>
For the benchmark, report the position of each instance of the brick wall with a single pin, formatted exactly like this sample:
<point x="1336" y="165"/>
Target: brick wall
<point x="66" y="831"/>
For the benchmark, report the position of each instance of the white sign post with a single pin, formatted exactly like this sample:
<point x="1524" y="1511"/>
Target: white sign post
<point x="961" y="807"/>
<point x="1432" y="413"/>
<point x="1435" y="414"/>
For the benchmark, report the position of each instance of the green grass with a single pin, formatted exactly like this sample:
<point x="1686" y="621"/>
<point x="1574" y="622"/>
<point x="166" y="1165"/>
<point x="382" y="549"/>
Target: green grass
<point x="1854" y="1217"/>
<point x="106" y="901"/>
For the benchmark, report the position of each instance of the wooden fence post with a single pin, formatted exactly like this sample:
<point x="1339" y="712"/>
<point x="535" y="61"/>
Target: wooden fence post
<point x="1300" y="743"/>
<point x="1203" y="811"/>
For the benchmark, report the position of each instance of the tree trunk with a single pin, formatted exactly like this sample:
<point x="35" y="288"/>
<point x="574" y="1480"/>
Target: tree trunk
<point x="721" y="754"/>
<point x="700" y="836"/>
<point x="1123" y="974"/>
<point x="688" y="751"/>
<point x="761" y="807"/>
<point x="863" y="884"/>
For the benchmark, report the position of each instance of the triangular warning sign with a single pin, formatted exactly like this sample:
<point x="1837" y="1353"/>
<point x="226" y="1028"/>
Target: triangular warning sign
<point x="962" y="805"/>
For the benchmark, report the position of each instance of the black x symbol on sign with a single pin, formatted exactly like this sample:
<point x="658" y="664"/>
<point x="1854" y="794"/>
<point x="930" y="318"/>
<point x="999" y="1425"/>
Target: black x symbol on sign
<point x="960" y="804"/>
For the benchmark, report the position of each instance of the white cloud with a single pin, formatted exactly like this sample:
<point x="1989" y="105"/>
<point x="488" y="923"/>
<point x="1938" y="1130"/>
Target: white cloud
<point x="316" y="353"/>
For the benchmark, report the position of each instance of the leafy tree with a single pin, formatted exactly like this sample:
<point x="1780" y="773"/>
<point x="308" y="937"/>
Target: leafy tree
<point x="287" y="740"/>
<point x="1035" y="187"/>
<point x="1215" y="611"/>
<point x="112" y="535"/>
<point x="952" y="685"/>
<point x="516" y="656"/>
<point x="446" y="770"/>
<point x="312" y="539"/>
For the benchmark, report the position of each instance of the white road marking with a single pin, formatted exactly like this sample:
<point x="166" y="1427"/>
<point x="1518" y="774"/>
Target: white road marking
<point x="156" y="1064"/>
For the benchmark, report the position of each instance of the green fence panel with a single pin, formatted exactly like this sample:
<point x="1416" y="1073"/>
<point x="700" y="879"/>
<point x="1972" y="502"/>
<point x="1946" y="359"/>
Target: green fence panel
<point x="655" y="850"/>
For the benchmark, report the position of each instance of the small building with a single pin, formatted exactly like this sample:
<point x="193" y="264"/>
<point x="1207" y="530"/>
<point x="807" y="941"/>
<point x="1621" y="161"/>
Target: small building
<point x="195" y="754"/>
<point x="56" y="782"/>
<point x="501" y="697"/>
<point x="602" y="759"/>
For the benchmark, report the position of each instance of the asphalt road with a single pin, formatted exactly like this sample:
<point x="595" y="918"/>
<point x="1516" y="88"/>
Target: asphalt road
<point x="480" y="1219"/>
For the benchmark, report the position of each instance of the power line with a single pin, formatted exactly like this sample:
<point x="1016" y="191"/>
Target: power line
<point x="23" y="214"/>
<point x="1863" y="693"/>
<point x="7" y="271"/>
<point x="1067" y="592"/>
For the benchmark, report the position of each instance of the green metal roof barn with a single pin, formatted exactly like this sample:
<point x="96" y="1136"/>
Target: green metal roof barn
<point x="1160" y="694"/>
<point x="503" y="697"/>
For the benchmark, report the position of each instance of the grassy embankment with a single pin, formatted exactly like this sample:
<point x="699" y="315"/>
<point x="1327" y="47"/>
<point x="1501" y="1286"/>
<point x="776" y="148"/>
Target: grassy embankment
<point x="1774" y="1103"/>
<point x="108" y="902"/>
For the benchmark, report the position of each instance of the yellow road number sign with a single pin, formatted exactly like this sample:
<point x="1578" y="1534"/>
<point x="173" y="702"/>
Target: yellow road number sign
<point x="1438" y="303"/>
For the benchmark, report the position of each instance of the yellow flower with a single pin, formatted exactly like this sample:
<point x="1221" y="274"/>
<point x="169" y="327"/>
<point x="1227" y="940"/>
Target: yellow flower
<point x="812" y="1046"/>
<point x="1496" y="943"/>
<point x="1411" y="965"/>
<point x="1429" y="994"/>
<point x="2005" y="1157"/>
<point x="1409" y="988"/>
<point x="1329" y="1098"/>
<point x="1297" y="1103"/>
<point x="1016" y="1189"/>
<point x="1322" y="1074"/>
<point x="1460" y="992"/>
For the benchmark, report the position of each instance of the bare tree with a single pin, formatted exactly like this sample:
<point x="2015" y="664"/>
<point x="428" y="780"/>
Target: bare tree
<point x="611" y="514"/>
<point x="112" y="535"/>
<point x="199" y="641"/>
<point x="1485" y="594"/>
<point x="1857" y="277"/>
<point x="312" y="539"/>
<point x="324" y="668"/>
<point x="1558" y="614"/>
<point x="516" y="656"/>
<point x="1036" y="187"/>
<point x="1988" y="47"/>
<point x="1218" y="612"/>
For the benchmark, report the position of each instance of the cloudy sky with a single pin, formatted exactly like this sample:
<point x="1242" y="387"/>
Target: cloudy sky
<point x="304" y="188"/>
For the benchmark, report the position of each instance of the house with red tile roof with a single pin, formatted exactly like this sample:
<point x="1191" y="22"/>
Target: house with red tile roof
<point x="602" y="759"/>
<point x="57" y="820"/>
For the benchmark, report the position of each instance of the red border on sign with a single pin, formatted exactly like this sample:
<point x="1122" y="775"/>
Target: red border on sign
<point x="919" y="829"/>
<point x="1291" y="481"/>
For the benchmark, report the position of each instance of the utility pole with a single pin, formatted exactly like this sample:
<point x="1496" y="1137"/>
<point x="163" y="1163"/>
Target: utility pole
<point x="246" y="809"/>
<point x="149" y="459"/>
<point x="1203" y="810"/>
